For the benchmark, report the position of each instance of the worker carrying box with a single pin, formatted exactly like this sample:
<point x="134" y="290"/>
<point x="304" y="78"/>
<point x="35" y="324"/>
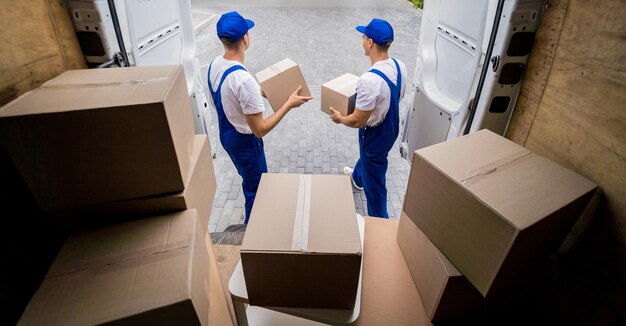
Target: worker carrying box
<point x="237" y="98"/>
<point x="377" y="115"/>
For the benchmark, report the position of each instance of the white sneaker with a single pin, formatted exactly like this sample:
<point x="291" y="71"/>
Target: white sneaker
<point x="348" y="171"/>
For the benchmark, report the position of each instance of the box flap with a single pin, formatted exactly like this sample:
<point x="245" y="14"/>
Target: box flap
<point x="344" y="84"/>
<point x="425" y="244"/>
<point x="274" y="70"/>
<point x="333" y="227"/>
<point x="273" y="213"/>
<point x="389" y="295"/>
<point x="303" y="213"/>
<point x="95" y="88"/>
<point x="445" y="292"/>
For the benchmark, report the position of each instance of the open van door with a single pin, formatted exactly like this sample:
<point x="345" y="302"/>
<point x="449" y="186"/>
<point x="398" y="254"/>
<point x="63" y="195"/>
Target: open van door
<point x="161" y="33"/>
<point x="471" y="59"/>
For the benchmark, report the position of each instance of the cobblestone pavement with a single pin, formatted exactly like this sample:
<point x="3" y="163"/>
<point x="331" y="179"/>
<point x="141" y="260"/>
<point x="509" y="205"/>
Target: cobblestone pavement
<point x="320" y="37"/>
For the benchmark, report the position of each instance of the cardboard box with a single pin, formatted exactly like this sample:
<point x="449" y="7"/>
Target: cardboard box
<point x="199" y="193"/>
<point x="388" y="296"/>
<point x="100" y="135"/>
<point x="150" y="271"/>
<point x="302" y="246"/>
<point x="340" y="93"/>
<point x="445" y="292"/>
<point x="491" y="206"/>
<point x="280" y="80"/>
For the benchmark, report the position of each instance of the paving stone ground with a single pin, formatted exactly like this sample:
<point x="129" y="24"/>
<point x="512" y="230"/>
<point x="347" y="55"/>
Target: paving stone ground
<point x="320" y="37"/>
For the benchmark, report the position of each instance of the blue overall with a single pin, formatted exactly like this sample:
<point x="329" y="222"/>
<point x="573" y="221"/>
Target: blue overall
<point x="245" y="150"/>
<point x="374" y="146"/>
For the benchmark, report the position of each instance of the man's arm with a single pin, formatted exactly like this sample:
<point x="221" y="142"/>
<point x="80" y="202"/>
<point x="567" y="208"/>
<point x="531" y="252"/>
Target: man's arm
<point x="367" y="94"/>
<point x="357" y="119"/>
<point x="260" y="127"/>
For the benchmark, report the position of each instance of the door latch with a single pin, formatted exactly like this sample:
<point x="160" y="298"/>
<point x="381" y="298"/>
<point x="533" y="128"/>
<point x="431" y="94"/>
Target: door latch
<point x="495" y="63"/>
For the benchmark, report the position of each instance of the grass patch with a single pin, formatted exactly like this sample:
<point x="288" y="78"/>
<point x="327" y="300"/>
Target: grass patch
<point x="417" y="3"/>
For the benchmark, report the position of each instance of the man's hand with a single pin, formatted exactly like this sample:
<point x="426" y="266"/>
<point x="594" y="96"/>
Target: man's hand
<point x="335" y="116"/>
<point x="260" y="126"/>
<point x="296" y="100"/>
<point x="356" y="119"/>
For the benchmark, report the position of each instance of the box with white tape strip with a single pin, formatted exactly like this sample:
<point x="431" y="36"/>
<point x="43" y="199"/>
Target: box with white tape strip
<point x="302" y="246"/>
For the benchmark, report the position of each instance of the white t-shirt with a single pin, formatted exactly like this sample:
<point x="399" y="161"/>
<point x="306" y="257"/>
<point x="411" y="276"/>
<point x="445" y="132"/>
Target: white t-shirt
<point x="373" y="93"/>
<point x="241" y="94"/>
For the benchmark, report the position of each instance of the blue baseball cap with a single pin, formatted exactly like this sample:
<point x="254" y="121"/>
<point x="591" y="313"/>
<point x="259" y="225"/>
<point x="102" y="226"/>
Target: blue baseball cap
<point x="379" y="30"/>
<point x="233" y="26"/>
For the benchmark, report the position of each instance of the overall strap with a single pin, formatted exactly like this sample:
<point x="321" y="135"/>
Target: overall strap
<point x="387" y="80"/>
<point x="394" y="100"/>
<point x="399" y="79"/>
<point x="383" y="76"/>
<point x="209" y="78"/>
<point x="227" y="72"/>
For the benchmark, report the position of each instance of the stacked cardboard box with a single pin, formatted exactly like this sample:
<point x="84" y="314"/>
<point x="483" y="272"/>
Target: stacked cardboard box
<point x="199" y="192"/>
<point x="479" y="212"/>
<point x="146" y="270"/>
<point x="158" y="270"/>
<point x="80" y="138"/>
<point x="115" y="149"/>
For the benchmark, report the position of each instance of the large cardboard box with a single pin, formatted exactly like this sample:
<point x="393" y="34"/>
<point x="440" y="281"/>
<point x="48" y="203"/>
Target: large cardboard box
<point x="491" y="206"/>
<point x="99" y="135"/>
<point x="445" y="292"/>
<point x="388" y="296"/>
<point x="340" y="93"/>
<point x="149" y="271"/>
<point x="198" y="194"/>
<point x="280" y="80"/>
<point x="302" y="246"/>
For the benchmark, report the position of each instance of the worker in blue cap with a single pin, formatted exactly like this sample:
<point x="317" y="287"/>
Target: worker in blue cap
<point x="237" y="97"/>
<point x="376" y="114"/>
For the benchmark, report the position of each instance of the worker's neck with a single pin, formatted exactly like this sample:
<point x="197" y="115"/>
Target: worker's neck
<point x="235" y="55"/>
<point x="376" y="56"/>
